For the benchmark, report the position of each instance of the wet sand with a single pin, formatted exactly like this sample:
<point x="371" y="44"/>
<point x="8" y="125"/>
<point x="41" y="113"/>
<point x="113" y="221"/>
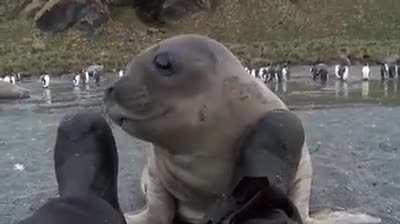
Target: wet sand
<point x="353" y="138"/>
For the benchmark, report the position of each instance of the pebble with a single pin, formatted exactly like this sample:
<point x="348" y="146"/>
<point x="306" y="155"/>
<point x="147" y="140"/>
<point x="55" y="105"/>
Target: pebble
<point x="19" y="167"/>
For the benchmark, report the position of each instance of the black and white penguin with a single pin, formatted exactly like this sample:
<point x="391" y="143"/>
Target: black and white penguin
<point x="7" y="78"/>
<point x="13" y="79"/>
<point x="86" y="168"/>
<point x="121" y="73"/>
<point x="96" y="77"/>
<point x="253" y="73"/>
<point x="45" y="79"/>
<point x="365" y="72"/>
<point x="342" y="72"/>
<point x="392" y="70"/>
<point x="398" y="70"/>
<point x="76" y="80"/>
<point x="389" y="68"/>
<point x="314" y="72"/>
<point x="278" y="73"/>
<point x="264" y="73"/>
<point x="19" y="76"/>
<point x="87" y="77"/>
<point x="383" y="71"/>
<point x="285" y="72"/>
<point x="319" y="72"/>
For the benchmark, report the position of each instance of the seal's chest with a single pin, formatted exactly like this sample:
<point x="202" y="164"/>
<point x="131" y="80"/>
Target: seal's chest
<point x="196" y="179"/>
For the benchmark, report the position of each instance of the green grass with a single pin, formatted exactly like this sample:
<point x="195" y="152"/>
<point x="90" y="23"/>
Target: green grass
<point x="357" y="30"/>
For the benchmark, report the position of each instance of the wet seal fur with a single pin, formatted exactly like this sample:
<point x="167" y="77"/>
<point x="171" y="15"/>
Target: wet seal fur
<point x="86" y="166"/>
<point x="191" y="97"/>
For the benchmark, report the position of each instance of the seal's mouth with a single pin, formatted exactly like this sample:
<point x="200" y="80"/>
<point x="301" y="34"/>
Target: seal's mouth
<point x="120" y="116"/>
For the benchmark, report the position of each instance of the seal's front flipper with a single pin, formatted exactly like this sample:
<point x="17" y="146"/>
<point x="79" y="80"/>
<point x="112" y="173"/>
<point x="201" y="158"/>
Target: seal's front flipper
<point x="270" y="154"/>
<point x="86" y="167"/>
<point x="273" y="149"/>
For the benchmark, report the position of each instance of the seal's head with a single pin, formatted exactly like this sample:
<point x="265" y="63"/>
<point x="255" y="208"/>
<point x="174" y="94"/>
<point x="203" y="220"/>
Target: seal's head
<point x="178" y="90"/>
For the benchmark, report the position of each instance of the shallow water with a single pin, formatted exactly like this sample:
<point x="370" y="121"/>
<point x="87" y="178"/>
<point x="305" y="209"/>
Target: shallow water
<point x="352" y="129"/>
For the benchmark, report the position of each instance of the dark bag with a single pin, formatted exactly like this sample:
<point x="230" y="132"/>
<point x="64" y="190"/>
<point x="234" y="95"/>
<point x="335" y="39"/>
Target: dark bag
<point x="254" y="200"/>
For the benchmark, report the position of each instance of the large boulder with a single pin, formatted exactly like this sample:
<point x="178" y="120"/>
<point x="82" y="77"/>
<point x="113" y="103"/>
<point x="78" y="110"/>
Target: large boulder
<point x="95" y="68"/>
<point x="168" y="11"/>
<point x="58" y="15"/>
<point x="9" y="91"/>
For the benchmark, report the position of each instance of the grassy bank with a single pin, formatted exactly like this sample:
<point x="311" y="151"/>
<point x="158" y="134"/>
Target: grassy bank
<point x="24" y="48"/>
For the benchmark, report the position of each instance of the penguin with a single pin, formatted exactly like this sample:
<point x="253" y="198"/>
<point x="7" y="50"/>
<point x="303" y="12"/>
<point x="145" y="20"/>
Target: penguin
<point x="45" y="79"/>
<point x="365" y="72"/>
<point x="342" y="72"/>
<point x="285" y="72"/>
<point x="398" y="71"/>
<point x="269" y="74"/>
<point x="253" y="73"/>
<point x="314" y="72"/>
<point x="12" y="79"/>
<point x="346" y="73"/>
<point x="272" y="74"/>
<point x="383" y="72"/>
<point x="19" y="77"/>
<point x="96" y="76"/>
<point x="337" y="68"/>
<point x="120" y="73"/>
<point x="319" y="71"/>
<point x="261" y="73"/>
<point x="77" y="79"/>
<point x="278" y="73"/>
<point x="86" y="168"/>
<point x="257" y="73"/>
<point x="264" y="73"/>
<point x="7" y="78"/>
<point x="391" y="70"/>
<point x="87" y="77"/>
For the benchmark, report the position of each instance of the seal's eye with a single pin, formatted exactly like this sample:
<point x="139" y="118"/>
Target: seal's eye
<point x="164" y="63"/>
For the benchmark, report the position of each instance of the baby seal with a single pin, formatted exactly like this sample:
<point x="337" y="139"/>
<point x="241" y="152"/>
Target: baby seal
<point x="192" y="98"/>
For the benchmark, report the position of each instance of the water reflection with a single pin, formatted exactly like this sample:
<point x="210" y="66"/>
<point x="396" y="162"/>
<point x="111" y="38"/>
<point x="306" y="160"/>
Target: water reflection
<point x="47" y="96"/>
<point x="77" y="93"/>
<point x="385" y="89"/>
<point x="365" y="89"/>
<point x="337" y="93"/>
<point x="280" y="87"/>
<point x="341" y="89"/>
<point x="62" y="94"/>
<point x="392" y="86"/>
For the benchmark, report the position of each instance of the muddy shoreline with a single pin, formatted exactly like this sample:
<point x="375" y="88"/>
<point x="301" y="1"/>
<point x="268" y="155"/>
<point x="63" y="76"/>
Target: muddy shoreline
<point x="355" y="149"/>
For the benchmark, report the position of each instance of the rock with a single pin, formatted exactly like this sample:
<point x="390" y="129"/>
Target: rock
<point x="392" y="59"/>
<point x="33" y="7"/>
<point x="167" y="11"/>
<point x="95" y="68"/>
<point x="58" y="15"/>
<point x="10" y="91"/>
